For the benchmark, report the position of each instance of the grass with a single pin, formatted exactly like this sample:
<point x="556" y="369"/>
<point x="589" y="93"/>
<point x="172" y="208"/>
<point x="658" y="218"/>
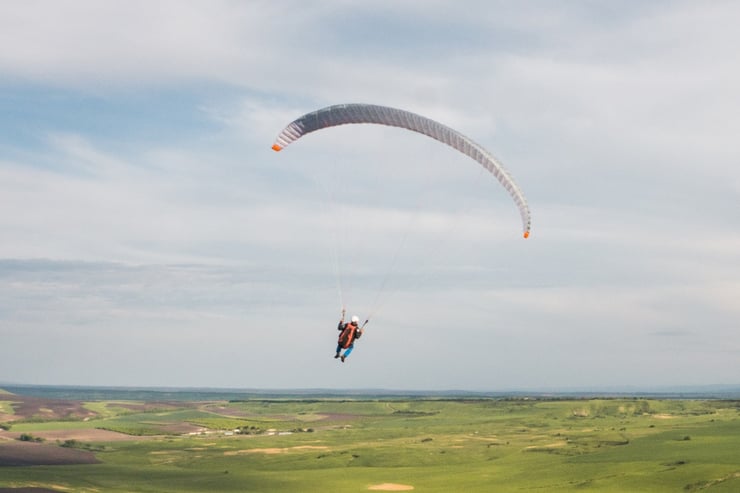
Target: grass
<point x="6" y="407"/>
<point x="434" y="445"/>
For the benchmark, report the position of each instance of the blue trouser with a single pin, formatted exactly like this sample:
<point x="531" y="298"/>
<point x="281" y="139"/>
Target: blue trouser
<point x="346" y="351"/>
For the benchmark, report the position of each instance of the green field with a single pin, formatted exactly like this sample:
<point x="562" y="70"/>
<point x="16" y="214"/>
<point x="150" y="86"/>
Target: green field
<point x="435" y="445"/>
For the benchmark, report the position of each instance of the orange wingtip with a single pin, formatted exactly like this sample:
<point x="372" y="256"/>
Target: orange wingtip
<point x="526" y="234"/>
<point x="276" y="147"/>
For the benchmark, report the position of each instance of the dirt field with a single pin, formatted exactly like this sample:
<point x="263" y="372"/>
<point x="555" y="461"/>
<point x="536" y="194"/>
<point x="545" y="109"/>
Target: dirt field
<point x="25" y="407"/>
<point x="270" y="451"/>
<point x="391" y="487"/>
<point x="86" y="435"/>
<point x="38" y="454"/>
<point x="27" y="490"/>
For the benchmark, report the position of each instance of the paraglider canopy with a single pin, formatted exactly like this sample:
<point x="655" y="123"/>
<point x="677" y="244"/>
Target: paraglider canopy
<point x="343" y="114"/>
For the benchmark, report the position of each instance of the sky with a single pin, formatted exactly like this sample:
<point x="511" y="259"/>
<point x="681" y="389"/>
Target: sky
<point x="149" y="236"/>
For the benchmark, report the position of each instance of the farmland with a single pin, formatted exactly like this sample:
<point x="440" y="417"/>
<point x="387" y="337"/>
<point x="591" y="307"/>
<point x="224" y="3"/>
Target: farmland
<point x="318" y="444"/>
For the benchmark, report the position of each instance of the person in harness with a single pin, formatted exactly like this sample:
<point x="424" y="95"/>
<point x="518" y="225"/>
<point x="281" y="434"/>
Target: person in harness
<point x="348" y="334"/>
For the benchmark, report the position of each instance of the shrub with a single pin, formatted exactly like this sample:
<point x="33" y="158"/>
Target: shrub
<point x="27" y="437"/>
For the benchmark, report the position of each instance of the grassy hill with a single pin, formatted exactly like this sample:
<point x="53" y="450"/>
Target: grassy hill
<point x="339" y="444"/>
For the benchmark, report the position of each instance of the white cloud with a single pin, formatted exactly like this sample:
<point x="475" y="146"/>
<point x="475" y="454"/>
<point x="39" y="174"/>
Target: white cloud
<point x="619" y="123"/>
<point x="120" y="43"/>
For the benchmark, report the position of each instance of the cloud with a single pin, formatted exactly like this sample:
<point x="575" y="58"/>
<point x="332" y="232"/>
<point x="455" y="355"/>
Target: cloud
<point x="145" y="216"/>
<point x="128" y="42"/>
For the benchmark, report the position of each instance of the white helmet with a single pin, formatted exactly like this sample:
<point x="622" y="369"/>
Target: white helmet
<point x="355" y="319"/>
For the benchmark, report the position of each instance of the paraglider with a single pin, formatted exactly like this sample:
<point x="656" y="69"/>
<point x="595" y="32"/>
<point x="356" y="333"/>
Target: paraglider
<point x="343" y="114"/>
<point x="349" y="332"/>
